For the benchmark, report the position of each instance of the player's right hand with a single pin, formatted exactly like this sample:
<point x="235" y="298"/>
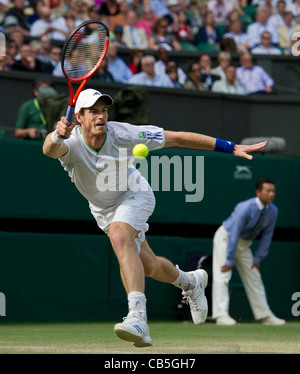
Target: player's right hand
<point x="63" y="128"/>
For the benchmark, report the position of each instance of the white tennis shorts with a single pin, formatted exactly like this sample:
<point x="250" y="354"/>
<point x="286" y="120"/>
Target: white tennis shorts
<point x="133" y="208"/>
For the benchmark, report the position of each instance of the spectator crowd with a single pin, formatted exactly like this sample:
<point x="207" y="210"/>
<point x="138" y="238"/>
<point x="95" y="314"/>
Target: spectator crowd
<point x="36" y="29"/>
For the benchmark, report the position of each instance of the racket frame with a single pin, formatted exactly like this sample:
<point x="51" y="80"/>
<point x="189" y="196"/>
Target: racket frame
<point x="85" y="78"/>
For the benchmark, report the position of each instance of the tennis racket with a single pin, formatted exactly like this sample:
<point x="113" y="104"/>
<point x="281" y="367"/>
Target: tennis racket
<point x="82" y="54"/>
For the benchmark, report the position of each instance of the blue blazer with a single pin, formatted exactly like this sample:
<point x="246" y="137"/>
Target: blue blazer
<point x="202" y="35"/>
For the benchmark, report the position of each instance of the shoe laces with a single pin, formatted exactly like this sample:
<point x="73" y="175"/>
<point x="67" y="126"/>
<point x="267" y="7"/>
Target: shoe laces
<point x="187" y="298"/>
<point x="190" y="297"/>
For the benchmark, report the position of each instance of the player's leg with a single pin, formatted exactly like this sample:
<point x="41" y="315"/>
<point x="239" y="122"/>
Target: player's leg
<point x="220" y="290"/>
<point x="192" y="283"/>
<point x="122" y="237"/>
<point x="134" y="328"/>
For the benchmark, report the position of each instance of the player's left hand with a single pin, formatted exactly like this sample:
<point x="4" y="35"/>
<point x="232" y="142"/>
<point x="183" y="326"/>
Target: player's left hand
<point x="243" y="150"/>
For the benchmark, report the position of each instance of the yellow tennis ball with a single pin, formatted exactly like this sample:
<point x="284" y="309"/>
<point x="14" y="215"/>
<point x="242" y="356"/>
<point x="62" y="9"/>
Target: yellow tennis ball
<point x="140" y="151"/>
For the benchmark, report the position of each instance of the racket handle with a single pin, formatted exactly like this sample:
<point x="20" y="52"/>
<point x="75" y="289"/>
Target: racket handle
<point x="70" y="113"/>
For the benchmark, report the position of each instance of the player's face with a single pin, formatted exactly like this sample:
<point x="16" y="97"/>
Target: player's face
<point x="267" y="193"/>
<point x="94" y="119"/>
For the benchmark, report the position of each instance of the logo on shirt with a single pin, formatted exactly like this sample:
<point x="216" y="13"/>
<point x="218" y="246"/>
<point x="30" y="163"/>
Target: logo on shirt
<point x="142" y="135"/>
<point x="154" y="135"/>
<point x="242" y="172"/>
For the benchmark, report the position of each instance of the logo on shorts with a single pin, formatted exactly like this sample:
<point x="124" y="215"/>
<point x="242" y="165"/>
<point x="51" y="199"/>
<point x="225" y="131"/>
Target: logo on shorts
<point x="142" y="135"/>
<point x="131" y="198"/>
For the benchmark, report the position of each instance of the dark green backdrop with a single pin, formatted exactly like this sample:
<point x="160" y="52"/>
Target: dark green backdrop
<point x="74" y="276"/>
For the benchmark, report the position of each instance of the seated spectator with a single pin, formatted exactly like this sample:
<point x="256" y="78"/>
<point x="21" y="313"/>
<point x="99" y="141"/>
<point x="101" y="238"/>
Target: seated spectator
<point x="161" y="37"/>
<point x="11" y="53"/>
<point x="18" y="38"/>
<point x="109" y="8"/>
<point x="28" y="63"/>
<point x="162" y="57"/>
<point x="83" y="11"/>
<point x="230" y="84"/>
<point x="55" y="55"/>
<point x="253" y="78"/>
<point x="18" y="11"/>
<point x="194" y="78"/>
<point x="133" y="36"/>
<point x="11" y="24"/>
<point x="246" y="13"/>
<point x="265" y="47"/>
<point x="285" y="32"/>
<point x="207" y="75"/>
<point x="116" y="66"/>
<point x="294" y="7"/>
<point x="182" y="28"/>
<point x="118" y="40"/>
<point x="148" y="77"/>
<point x="147" y="21"/>
<point x="208" y="33"/>
<point x="276" y="19"/>
<point x="220" y="10"/>
<point x="45" y="48"/>
<point x="102" y="72"/>
<point x="248" y="9"/>
<point x="198" y="10"/>
<point x="159" y="8"/>
<point x="224" y="60"/>
<point x="94" y="12"/>
<point x="240" y="38"/>
<point x="172" y="72"/>
<point x="31" y="123"/>
<point x="71" y="65"/>
<point x="120" y="17"/>
<point x="173" y="7"/>
<point x="255" y="30"/>
<point x="62" y="26"/>
<point x="135" y="57"/>
<point x="43" y="25"/>
<point x="267" y="6"/>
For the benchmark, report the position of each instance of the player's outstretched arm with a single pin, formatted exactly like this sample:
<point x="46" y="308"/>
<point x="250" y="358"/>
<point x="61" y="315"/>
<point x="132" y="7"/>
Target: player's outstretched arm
<point x="54" y="145"/>
<point x="204" y="142"/>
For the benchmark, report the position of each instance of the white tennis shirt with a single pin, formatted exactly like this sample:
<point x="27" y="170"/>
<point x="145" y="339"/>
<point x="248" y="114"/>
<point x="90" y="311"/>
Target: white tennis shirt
<point x="105" y="175"/>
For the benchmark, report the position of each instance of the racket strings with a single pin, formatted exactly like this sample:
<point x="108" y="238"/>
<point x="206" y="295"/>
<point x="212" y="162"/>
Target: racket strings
<point x="83" y="53"/>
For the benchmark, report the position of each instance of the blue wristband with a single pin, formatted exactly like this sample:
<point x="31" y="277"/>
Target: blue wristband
<point x="224" y="146"/>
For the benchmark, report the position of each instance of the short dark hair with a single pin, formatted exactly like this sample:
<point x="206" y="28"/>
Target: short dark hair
<point x="261" y="181"/>
<point x="38" y="82"/>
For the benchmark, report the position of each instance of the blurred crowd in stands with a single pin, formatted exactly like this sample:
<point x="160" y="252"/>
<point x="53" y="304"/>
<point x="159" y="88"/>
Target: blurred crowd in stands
<point x="36" y="29"/>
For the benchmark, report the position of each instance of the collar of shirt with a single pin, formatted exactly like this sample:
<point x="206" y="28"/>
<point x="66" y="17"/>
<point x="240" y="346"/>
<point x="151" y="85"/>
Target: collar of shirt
<point x="260" y="204"/>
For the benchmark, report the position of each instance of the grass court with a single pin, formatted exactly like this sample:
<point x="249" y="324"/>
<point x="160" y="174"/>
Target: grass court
<point x="168" y="338"/>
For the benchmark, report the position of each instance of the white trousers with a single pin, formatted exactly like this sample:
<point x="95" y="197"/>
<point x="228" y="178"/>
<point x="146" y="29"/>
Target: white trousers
<point x="250" y="277"/>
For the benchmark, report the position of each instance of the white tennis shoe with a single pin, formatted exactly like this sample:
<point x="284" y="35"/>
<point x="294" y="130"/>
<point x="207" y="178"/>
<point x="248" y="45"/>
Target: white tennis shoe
<point x="196" y="297"/>
<point x="134" y="329"/>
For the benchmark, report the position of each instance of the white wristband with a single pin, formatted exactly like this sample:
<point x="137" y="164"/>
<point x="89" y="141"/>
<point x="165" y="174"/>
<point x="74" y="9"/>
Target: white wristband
<point x="55" y="138"/>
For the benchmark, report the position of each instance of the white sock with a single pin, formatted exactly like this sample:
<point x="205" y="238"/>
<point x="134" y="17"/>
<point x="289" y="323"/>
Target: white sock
<point x="185" y="281"/>
<point x="137" y="303"/>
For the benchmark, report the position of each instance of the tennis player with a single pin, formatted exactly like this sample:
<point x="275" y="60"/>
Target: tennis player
<point x="92" y="152"/>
